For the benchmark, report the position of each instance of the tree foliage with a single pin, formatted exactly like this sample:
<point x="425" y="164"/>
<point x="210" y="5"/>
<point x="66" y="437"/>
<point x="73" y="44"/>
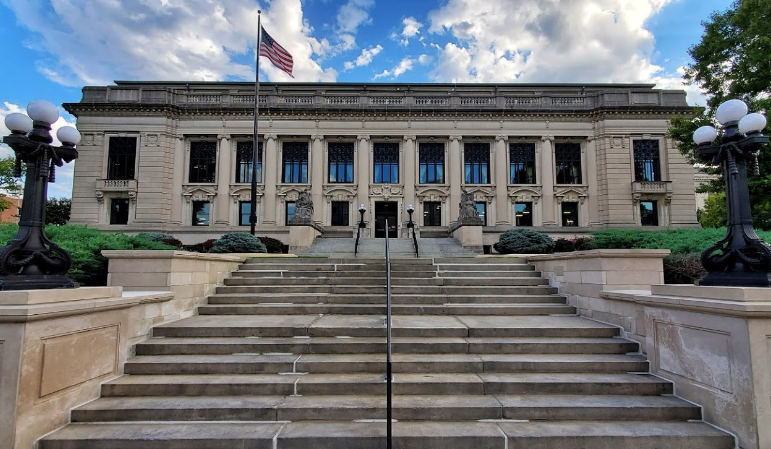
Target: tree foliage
<point x="58" y="211"/>
<point x="715" y="211"/>
<point x="732" y="61"/>
<point x="9" y="184"/>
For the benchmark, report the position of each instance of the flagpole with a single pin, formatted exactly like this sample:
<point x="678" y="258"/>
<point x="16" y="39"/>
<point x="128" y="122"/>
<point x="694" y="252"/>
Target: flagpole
<point x="255" y="136"/>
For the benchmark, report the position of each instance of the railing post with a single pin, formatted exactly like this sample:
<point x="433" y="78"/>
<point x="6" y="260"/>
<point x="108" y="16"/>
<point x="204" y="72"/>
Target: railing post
<point x="389" y="419"/>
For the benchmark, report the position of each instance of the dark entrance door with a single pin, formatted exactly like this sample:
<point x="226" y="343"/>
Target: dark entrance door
<point x="386" y="210"/>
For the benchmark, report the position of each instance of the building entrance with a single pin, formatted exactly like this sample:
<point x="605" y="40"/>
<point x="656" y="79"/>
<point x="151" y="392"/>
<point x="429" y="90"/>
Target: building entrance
<point x="386" y="210"/>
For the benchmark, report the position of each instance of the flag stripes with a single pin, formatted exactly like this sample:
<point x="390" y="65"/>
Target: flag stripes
<point x="276" y="53"/>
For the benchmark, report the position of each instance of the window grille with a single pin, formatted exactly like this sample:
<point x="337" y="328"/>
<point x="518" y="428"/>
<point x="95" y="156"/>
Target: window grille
<point x="295" y="155"/>
<point x="431" y="159"/>
<point x="522" y="163"/>
<point x="386" y="163"/>
<point x="203" y="162"/>
<point x="121" y="158"/>
<point x="567" y="159"/>
<point x="340" y="156"/>
<point x="646" y="160"/>
<point x="477" y="163"/>
<point x="244" y="162"/>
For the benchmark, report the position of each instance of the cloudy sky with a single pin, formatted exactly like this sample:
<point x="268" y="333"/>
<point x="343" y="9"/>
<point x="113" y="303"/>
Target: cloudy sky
<point x="52" y="48"/>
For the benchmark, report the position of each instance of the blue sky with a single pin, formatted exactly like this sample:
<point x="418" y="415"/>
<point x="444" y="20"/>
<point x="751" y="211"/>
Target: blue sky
<point x="52" y="48"/>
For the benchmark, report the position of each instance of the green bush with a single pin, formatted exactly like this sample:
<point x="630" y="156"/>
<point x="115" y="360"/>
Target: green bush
<point x="89" y="267"/>
<point x="524" y="241"/>
<point x="156" y="236"/>
<point x="238" y="242"/>
<point x="683" y="269"/>
<point x="274" y="246"/>
<point x="202" y="247"/>
<point x="563" y="245"/>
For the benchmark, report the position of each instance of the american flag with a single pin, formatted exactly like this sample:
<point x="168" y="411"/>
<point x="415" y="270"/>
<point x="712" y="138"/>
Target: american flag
<point x="276" y="53"/>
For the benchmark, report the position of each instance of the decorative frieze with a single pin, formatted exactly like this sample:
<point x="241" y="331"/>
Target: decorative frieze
<point x="386" y="191"/>
<point x="525" y="194"/>
<point x="571" y="195"/>
<point x="199" y="193"/>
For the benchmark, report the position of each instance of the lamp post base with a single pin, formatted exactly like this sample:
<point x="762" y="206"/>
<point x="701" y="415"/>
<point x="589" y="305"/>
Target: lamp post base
<point x="734" y="279"/>
<point x="35" y="282"/>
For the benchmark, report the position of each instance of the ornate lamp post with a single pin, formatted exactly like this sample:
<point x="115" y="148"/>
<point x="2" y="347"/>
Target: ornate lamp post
<point x="362" y="209"/>
<point x="30" y="260"/>
<point x="741" y="259"/>
<point x="410" y="224"/>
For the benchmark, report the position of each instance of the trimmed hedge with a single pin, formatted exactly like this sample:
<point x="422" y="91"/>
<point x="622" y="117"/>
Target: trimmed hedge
<point x="89" y="267"/>
<point x="524" y="241"/>
<point x="238" y="242"/>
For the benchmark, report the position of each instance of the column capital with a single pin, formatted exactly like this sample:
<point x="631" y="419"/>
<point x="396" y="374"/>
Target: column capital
<point x="317" y="137"/>
<point x="457" y="138"/>
<point x="500" y="137"/>
<point x="408" y="138"/>
<point x="549" y="138"/>
<point x="270" y="137"/>
<point x="362" y="137"/>
<point x="223" y="136"/>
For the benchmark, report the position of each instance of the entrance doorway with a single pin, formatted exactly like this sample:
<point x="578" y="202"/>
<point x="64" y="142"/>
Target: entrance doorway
<point x="386" y="210"/>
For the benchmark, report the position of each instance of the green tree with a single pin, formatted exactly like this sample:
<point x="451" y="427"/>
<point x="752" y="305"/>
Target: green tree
<point x="58" y="211"/>
<point x="9" y="184"/>
<point x="715" y="211"/>
<point x="732" y="61"/>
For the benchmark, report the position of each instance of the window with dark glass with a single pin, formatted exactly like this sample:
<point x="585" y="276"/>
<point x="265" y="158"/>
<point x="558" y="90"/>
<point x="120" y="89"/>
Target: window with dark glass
<point x="244" y="210"/>
<point x="122" y="158"/>
<point x="569" y="214"/>
<point x="646" y="160"/>
<point x="431" y="158"/>
<point x="649" y="215"/>
<point x="340" y="156"/>
<point x="119" y="211"/>
<point x="295" y="155"/>
<point x="482" y="211"/>
<point x="201" y="213"/>
<point x="244" y="160"/>
<point x="432" y="213"/>
<point x="203" y="161"/>
<point x="386" y="163"/>
<point x="522" y="163"/>
<point x="289" y="211"/>
<point x="523" y="214"/>
<point x="477" y="162"/>
<point x="340" y="213"/>
<point x="567" y="158"/>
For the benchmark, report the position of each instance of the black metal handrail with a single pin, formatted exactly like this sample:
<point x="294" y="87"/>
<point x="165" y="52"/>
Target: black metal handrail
<point x="358" y="230"/>
<point x="415" y="242"/>
<point x="388" y="341"/>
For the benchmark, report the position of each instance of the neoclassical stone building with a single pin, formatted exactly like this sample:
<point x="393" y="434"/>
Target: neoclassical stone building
<point x="564" y="158"/>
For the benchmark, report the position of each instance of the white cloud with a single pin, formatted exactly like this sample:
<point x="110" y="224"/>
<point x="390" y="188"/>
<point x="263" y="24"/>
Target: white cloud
<point x="364" y="58"/>
<point x="411" y="28"/>
<point x="354" y="14"/>
<point x="545" y="41"/>
<point x="98" y="41"/>
<point x="62" y="188"/>
<point x="404" y="66"/>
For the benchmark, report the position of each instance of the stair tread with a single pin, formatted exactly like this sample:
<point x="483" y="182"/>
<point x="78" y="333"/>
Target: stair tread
<point x="309" y="340"/>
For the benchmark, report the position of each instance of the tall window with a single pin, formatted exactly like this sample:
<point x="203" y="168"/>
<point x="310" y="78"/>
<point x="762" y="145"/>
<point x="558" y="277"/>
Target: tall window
<point x="477" y="163"/>
<point x="567" y="158"/>
<point x="203" y="161"/>
<point x="386" y="163"/>
<point x="569" y="214"/>
<point x="340" y="213"/>
<point x="432" y="213"/>
<point x="295" y="155"/>
<point x="201" y="213"/>
<point x="646" y="160"/>
<point x="340" y="161"/>
<point x="289" y="211"/>
<point x="244" y="211"/>
<point x="244" y="162"/>
<point x="122" y="158"/>
<point x="482" y="211"/>
<point x="522" y="163"/>
<point x="649" y="215"/>
<point x="431" y="163"/>
<point x="119" y="211"/>
<point x="523" y="214"/>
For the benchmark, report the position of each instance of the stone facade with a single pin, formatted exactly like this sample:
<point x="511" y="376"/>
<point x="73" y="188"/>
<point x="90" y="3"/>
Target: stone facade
<point x="561" y="158"/>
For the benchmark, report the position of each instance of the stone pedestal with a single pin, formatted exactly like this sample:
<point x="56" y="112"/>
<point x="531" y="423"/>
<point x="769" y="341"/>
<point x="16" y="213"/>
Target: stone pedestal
<point x="470" y="237"/>
<point x="301" y="237"/>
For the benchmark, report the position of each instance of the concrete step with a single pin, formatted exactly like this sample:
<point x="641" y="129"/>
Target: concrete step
<point x="373" y="384"/>
<point x="372" y="326"/>
<point x="407" y="434"/>
<point x="400" y="345"/>
<point x="483" y="267"/>
<point x="396" y="281"/>
<point x="375" y="363"/>
<point x="418" y="272"/>
<point x="395" y="289"/>
<point x="401" y="309"/>
<point x="323" y="298"/>
<point x="410" y="407"/>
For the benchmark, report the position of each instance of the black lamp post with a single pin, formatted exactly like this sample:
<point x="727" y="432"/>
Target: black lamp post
<point x="741" y="259"/>
<point x="362" y="209"/>
<point x="30" y="260"/>
<point x="410" y="224"/>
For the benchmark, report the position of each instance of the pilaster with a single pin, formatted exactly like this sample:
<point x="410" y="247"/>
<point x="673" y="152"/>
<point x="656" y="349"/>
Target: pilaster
<point x="317" y="176"/>
<point x="271" y="171"/>
<point x="363" y="151"/>
<point x="178" y="179"/>
<point x="501" y="182"/>
<point x="410" y="158"/>
<point x="455" y="178"/>
<point x="222" y="200"/>
<point x="547" y="179"/>
<point x="592" y="181"/>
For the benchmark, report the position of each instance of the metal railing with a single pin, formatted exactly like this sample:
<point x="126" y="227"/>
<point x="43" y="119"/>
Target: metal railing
<point x="414" y="239"/>
<point x="388" y="376"/>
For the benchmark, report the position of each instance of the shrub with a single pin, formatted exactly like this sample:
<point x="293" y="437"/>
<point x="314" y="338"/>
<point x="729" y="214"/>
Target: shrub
<point x="202" y="247"/>
<point x="156" y="236"/>
<point x="563" y="245"/>
<point x="524" y="241"/>
<point x="683" y="269"/>
<point x="238" y="242"/>
<point x="274" y="246"/>
<point x="89" y="267"/>
<point x="172" y="242"/>
<point x="583" y="243"/>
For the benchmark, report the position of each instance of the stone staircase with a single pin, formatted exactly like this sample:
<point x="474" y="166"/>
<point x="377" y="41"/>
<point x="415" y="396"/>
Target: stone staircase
<point x="290" y="354"/>
<point x="398" y="248"/>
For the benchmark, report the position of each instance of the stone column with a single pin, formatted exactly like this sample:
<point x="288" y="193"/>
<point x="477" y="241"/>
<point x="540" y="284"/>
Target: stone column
<point x="547" y="180"/>
<point x="455" y="177"/>
<point x="591" y="180"/>
<point x="363" y="151"/>
<point x="178" y="179"/>
<point x="317" y="177"/>
<point x="271" y="171"/>
<point x="410" y="156"/>
<point x="222" y="206"/>
<point x="501" y="182"/>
